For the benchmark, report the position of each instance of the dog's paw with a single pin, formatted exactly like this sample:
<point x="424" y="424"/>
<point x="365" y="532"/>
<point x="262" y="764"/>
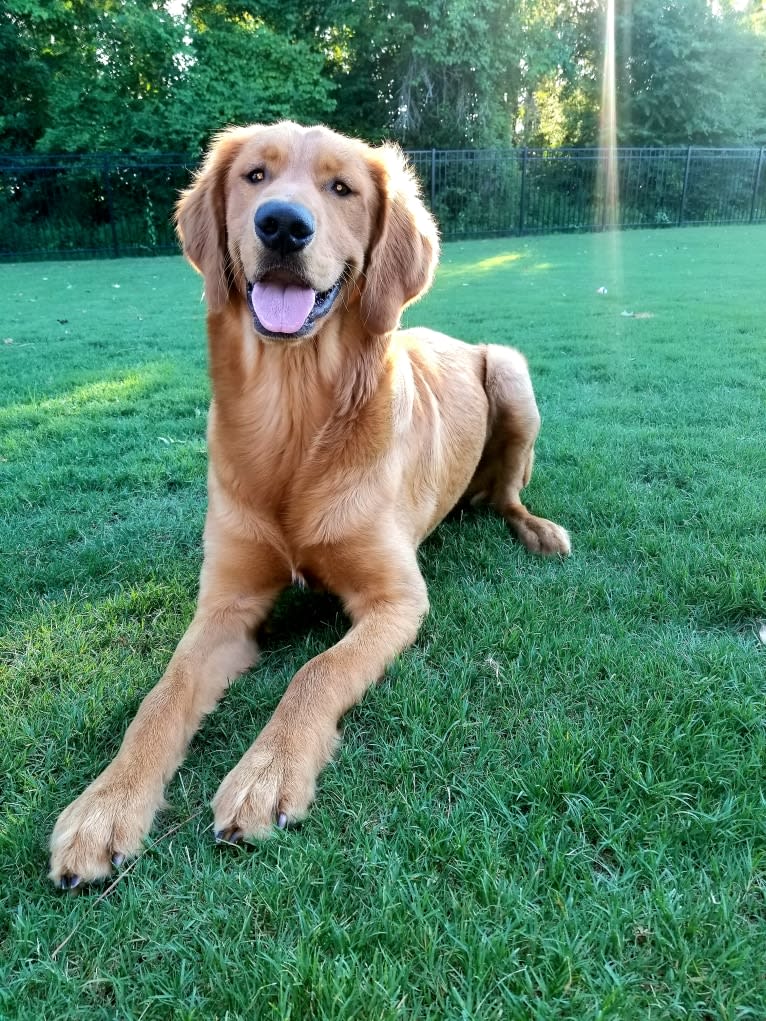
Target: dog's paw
<point x="273" y="783"/>
<point x="105" y="825"/>
<point x="540" y="535"/>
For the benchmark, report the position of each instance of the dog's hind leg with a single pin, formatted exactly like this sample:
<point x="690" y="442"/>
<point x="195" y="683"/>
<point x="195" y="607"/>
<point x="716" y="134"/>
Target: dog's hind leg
<point x="509" y="453"/>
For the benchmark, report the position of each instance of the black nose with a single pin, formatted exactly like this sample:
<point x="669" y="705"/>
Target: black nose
<point x="283" y="226"/>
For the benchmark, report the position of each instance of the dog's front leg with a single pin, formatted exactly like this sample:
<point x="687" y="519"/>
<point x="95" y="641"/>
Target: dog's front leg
<point x="275" y="779"/>
<point x="112" y="816"/>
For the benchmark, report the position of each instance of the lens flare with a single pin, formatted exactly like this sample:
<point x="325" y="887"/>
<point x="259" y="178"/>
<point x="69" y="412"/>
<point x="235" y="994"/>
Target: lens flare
<point x="607" y="184"/>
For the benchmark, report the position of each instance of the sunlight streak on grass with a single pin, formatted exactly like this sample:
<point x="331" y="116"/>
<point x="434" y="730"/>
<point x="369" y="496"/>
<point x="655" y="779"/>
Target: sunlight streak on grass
<point x="89" y="395"/>
<point x="497" y="260"/>
<point x="484" y="266"/>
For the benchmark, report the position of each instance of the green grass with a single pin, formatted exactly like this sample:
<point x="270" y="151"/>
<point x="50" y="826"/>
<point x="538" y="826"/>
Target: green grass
<point x="552" y="807"/>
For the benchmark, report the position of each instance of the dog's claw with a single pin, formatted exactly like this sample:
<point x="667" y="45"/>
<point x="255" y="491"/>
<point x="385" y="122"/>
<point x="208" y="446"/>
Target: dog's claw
<point x="118" y="859"/>
<point x="68" y="882"/>
<point x="229" y="836"/>
<point x="282" y="821"/>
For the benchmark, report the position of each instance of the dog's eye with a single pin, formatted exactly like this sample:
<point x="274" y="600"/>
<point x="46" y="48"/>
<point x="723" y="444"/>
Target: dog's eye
<point x="256" y="176"/>
<point x="340" y="188"/>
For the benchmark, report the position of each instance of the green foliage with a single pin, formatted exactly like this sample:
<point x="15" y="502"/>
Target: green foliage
<point x="100" y="69"/>
<point x="457" y="73"/>
<point x="561" y="84"/>
<point x="685" y="74"/>
<point x="688" y="75"/>
<point x="24" y="77"/>
<point x="123" y="75"/>
<point x="129" y="75"/>
<point x="276" y="76"/>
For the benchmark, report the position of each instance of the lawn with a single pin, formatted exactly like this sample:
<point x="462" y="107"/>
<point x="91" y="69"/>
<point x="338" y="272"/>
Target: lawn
<point x="552" y="807"/>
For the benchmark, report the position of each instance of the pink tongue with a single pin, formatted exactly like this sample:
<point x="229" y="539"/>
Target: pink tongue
<point x="282" y="308"/>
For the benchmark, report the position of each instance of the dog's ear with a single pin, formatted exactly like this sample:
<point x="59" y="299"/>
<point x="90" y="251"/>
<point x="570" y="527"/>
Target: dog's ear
<point x="201" y="218"/>
<point x="405" y="244"/>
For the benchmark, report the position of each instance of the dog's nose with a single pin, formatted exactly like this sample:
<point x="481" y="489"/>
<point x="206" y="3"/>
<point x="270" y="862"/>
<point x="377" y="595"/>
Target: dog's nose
<point x="284" y="227"/>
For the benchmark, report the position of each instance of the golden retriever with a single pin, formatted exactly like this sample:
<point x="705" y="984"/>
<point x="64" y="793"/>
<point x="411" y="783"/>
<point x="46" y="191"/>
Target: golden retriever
<point x="337" y="442"/>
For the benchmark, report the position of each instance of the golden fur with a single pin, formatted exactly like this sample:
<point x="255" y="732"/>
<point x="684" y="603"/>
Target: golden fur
<point x="332" y="456"/>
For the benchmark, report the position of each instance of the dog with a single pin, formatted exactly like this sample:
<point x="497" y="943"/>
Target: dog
<point x="337" y="442"/>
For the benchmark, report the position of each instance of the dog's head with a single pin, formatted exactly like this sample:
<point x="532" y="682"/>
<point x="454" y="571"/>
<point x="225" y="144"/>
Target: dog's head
<point x="302" y="223"/>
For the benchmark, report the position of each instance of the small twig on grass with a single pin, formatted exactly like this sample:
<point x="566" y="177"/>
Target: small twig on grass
<point x="118" y="879"/>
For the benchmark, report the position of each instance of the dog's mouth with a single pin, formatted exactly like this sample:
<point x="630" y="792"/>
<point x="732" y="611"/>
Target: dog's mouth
<point x="285" y="307"/>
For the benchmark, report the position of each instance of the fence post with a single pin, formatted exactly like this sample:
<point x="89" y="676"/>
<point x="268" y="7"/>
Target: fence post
<point x="433" y="179"/>
<point x="522" y="192"/>
<point x="756" y="183"/>
<point x="110" y="207"/>
<point x="682" y="208"/>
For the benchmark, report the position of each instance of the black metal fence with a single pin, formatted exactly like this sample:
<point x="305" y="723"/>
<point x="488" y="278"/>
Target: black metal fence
<point x="96" y="205"/>
<point x="528" y="191"/>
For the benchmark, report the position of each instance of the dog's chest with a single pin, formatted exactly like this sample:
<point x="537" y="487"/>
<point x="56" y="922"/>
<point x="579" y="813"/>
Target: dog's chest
<point x="287" y="482"/>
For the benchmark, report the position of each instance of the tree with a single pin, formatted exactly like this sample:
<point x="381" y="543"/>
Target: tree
<point x="84" y="75"/>
<point x="114" y="68"/>
<point x="25" y="73"/>
<point x="686" y="73"/>
<point x="127" y="75"/>
<point x="559" y="99"/>
<point x="242" y="67"/>
<point x="689" y="75"/>
<point x="93" y="74"/>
